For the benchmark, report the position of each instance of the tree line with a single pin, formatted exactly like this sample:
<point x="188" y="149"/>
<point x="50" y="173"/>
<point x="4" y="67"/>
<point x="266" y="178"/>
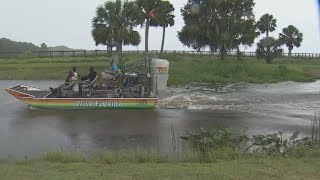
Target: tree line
<point x="7" y="45"/>
<point x="221" y="25"/>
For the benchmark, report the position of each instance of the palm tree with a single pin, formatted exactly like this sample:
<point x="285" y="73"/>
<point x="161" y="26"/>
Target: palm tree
<point x="147" y="8"/>
<point x="113" y="25"/>
<point x="268" y="48"/>
<point x="291" y="37"/>
<point x="267" y="24"/>
<point x="164" y="18"/>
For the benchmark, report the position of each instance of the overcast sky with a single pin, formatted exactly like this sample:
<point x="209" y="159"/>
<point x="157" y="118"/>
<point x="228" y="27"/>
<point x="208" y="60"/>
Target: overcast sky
<point x="68" y="22"/>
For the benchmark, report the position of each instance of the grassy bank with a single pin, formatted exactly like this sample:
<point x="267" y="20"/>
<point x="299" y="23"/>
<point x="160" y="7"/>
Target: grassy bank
<point x="183" y="69"/>
<point x="144" y="166"/>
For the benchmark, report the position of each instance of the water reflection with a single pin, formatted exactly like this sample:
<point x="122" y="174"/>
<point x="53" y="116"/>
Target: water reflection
<point x="112" y="129"/>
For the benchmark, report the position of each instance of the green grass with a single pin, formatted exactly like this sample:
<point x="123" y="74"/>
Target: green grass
<point x="133" y="156"/>
<point x="63" y="157"/>
<point x="149" y="168"/>
<point x="210" y="70"/>
<point x="184" y="68"/>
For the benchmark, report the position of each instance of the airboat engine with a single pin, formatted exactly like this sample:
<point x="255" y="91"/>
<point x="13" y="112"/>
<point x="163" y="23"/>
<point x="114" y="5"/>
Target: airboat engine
<point x="159" y="77"/>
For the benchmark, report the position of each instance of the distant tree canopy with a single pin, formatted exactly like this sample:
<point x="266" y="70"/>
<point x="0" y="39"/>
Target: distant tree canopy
<point x="224" y="25"/>
<point x="219" y="24"/>
<point x="268" y="48"/>
<point x="7" y="45"/>
<point x="291" y="37"/>
<point x="44" y="47"/>
<point x="164" y="18"/>
<point x="267" y="24"/>
<point x="147" y="9"/>
<point x="114" y="23"/>
<point x="62" y="48"/>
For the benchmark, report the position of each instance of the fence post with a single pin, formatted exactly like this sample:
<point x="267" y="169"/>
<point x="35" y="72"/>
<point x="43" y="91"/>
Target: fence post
<point x="51" y="54"/>
<point x="85" y="53"/>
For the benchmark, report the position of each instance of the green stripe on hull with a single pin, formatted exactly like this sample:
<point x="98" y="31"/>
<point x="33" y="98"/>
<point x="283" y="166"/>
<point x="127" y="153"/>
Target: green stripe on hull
<point x="59" y="107"/>
<point x="74" y="106"/>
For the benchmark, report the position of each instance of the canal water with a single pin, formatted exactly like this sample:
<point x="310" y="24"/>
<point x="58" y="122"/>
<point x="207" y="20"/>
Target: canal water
<point x="286" y="107"/>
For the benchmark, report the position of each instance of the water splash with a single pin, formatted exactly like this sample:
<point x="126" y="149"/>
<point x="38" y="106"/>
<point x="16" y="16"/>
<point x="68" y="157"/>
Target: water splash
<point x="202" y="96"/>
<point x="187" y="101"/>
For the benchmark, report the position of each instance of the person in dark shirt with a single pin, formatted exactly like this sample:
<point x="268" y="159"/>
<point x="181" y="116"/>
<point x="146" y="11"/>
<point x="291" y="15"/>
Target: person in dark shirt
<point x="86" y="80"/>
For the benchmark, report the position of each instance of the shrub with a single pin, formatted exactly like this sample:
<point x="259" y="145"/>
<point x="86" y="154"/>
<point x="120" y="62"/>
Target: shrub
<point x="211" y="145"/>
<point x="27" y="55"/>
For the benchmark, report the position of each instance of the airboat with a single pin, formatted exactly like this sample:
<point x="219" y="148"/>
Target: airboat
<point x="135" y="88"/>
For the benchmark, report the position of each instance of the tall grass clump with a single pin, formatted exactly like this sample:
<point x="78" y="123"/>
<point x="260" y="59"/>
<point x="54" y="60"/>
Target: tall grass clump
<point x="210" y="145"/>
<point x="138" y="155"/>
<point x="27" y="55"/>
<point x="315" y="129"/>
<point x="63" y="157"/>
<point x="315" y="134"/>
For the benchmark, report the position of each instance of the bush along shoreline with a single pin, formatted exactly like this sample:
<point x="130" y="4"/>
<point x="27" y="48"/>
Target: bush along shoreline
<point x="207" y="146"/>
<point x="211" y="145"/>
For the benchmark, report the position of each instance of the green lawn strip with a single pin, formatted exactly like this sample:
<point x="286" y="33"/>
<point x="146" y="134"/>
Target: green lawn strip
<point x="184" y="68"/>
<point x="233" y="169"/>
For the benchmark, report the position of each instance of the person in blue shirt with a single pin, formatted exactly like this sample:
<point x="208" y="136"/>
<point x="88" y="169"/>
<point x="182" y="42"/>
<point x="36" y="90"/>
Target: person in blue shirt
<point x="115" y="71"/>
<point x="114" y="67"/>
